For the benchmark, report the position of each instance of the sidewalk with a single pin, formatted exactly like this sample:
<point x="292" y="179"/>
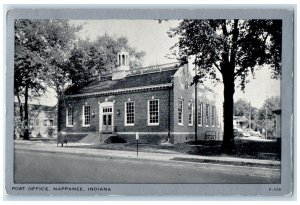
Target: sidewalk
<point x="73" y="149"/>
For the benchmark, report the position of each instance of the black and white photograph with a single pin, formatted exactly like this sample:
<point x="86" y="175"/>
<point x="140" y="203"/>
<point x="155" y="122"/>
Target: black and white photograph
<point x="147" y="101"/>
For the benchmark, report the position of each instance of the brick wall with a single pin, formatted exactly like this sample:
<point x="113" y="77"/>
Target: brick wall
<point x="128" y="132"/>
<point x="183" y="91"/>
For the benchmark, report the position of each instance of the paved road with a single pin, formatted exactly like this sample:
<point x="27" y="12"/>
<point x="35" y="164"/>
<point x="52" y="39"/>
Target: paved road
<point x="45" y="167"/>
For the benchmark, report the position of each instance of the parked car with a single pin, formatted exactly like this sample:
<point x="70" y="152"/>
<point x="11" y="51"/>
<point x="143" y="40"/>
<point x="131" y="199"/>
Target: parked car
<point x="238" y="132"/>
<point x="252" y="132"/>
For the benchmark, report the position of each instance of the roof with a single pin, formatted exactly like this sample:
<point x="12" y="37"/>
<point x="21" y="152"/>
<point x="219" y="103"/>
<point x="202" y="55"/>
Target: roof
<point x="240" y="119"/>
<point x="37" y="106"/>
<point x="131" y="81"/>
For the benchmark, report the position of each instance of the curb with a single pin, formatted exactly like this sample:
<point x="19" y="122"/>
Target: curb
<point x="220" y="162"/>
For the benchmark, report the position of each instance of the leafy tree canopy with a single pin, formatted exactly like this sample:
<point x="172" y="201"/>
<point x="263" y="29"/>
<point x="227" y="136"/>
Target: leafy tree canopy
<point x="92" y="59"/>
<point x="242" y="44"/>
<point x="233" y="47"/>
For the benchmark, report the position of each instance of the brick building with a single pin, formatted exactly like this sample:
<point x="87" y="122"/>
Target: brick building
<point x="157" y="102"/>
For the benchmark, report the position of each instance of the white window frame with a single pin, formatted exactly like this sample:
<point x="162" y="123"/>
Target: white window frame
<point x="83" y="116"/>
<point x="192" y="113"/>
<point x="180" y="123"/>
<point x="213" y="116"/>
<point x="67" y="117"/>
<point x="125" y="116"/>
<point x="218" y="118"/>
<point x="207" y="115"/>
<point x="148" y="113"/>
<point x="200" y="110"/>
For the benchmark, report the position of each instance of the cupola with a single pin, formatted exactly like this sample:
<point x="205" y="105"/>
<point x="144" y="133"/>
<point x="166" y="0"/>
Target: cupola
<point x="122" y="65"/>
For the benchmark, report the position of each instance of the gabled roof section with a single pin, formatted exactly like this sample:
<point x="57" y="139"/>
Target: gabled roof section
<point x="135" y="79"/>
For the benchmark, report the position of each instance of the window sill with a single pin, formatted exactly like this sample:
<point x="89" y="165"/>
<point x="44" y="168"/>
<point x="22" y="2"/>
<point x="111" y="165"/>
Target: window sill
<point x="153" y="124"/>
<point x="191" y="125"/>
<point x="69" y="126"/>
<point x="86" y="125"/>
<point x="200" y="125"/>
<point x="129" y="125"/>
<point x="180" y="124"/>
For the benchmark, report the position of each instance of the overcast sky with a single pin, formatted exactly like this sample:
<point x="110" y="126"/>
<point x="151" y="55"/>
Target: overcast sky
<point x="151" y="37"/>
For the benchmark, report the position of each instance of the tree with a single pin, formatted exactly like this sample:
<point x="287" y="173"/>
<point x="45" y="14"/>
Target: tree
<point x="244" y="108"/>
<point x="241" y="108"/>
<point x="90" y="60"/>
<point x="234" y="48"/>
<point x="39" y="49"/>
<point x="266" y="117"/>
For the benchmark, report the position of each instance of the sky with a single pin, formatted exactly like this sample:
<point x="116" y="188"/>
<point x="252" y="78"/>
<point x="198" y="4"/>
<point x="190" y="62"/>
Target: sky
<point x="151" y="37"/>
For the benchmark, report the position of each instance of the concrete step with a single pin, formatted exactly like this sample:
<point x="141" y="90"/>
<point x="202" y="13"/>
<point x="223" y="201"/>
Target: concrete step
<point x="92" y="138"/>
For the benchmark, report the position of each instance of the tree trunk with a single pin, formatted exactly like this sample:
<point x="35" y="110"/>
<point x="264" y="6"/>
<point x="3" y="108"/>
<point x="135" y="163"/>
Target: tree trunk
<point x="21" y="117"/>
<point x="26" y="123"/>
<point x="228" y="138"/>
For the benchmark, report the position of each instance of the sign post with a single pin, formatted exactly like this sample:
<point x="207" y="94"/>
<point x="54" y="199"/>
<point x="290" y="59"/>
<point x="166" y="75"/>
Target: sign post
<point x="137" y="143"/>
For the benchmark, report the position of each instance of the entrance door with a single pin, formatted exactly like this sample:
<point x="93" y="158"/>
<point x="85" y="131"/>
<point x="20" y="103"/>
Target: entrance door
<point x="107" y="119"/>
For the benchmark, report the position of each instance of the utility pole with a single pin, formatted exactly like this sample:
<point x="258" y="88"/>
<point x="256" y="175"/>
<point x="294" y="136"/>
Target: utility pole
<point x="266" y="122"/>
<point x="195" y="82"/>
<point x="196" y="110"/>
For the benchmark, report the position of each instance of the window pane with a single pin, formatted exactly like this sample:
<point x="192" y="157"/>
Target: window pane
<point x="207" y="115"/>
<point x="213" y="115"/>
<point x="108" y="119"/>
<point x="190" y="110"/>
<point x="180" y="109"/>
<point x="70" y="116"/>
<point x="104" y="119"/>
<point x="200" y="113"/>
<point x="153" y="112"/>
<point x="51" y="122"/>
<point x="130" y="112"/>
<point x="87" y="115"/>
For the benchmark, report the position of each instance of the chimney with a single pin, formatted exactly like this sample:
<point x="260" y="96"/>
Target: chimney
<point x="122" y="65"/>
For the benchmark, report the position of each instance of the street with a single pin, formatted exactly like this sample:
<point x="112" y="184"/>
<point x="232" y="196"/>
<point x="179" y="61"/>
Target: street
<point x="51" y="167"/>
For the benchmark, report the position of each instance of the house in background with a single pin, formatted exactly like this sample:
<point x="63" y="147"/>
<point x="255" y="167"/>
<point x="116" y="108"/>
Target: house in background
<point x="240" y="122"/>
<point x="42" y="121"/>
<point x="157" y="102"/>
<point x="277" y="113"/>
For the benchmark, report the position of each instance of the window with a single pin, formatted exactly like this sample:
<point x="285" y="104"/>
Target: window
<point x="86" y="115"/>
<point x="51" y="122"/>
<point x="191" y="113"/>
<point x="213" y="115"/>
<point x="69" y="119"/>
<point x="217" y="119"/>
<point x="207" y="115"/>
<point x="153" y="112"/>
<point x="180" y="110"/>
<point x="200" y="114"/>
<point x="129" y="113"/>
